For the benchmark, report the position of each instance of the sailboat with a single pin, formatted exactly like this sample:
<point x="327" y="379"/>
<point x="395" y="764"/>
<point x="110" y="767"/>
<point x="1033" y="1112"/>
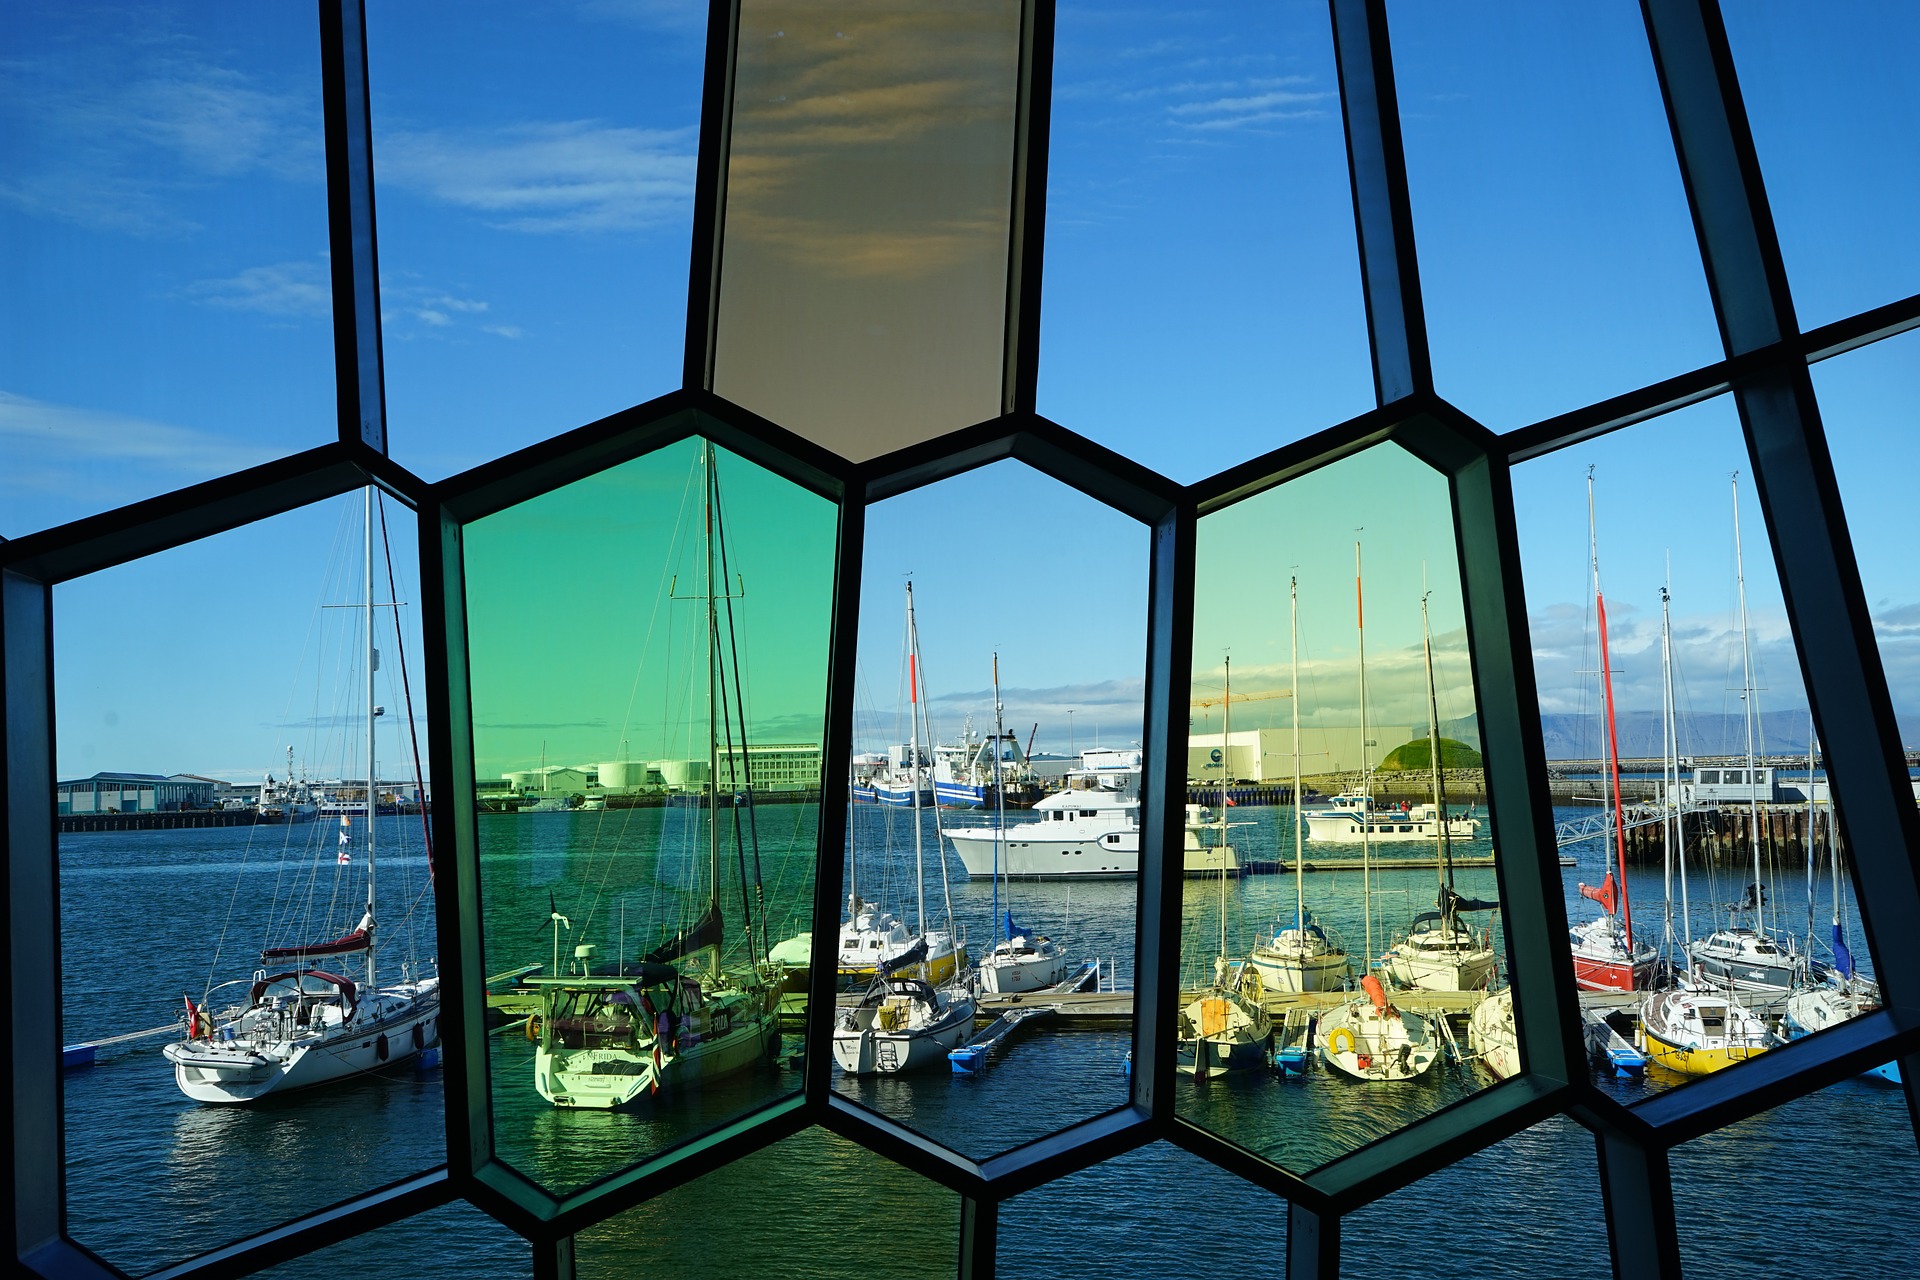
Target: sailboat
<point x="1685" y="1028"/>
<point x="1299" y="956"/>
<point x="1020" y="959"/>
<point x="1843" y="992"/>
<point x="906" y="1021"/>
<point x="1606" y="954"/>
<point x="1368" y="1037"/>
<point x="1226" y="1027"/>
<point x="1441" y="952"/>
<point x="302" y="1025"/>
<point x="610" y="1034"/>
<point x="1750" y="957"/>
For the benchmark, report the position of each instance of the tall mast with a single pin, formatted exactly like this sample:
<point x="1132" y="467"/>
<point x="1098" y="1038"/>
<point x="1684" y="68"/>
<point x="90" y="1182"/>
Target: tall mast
<point x="714" y="709"/>
<point x="1444" y="863"/>
<point x="1366" y="765"/>
<point x="373" y="658"/>
<point x="1746" y="699"/>
<point x="1226" y="774"/>
<point x="1613" y="735"/>
<point x="999" y="803"/>
<point x="913" y="764"/>
<point x="1293" y="677"/>
<point x="1676" y="831"/>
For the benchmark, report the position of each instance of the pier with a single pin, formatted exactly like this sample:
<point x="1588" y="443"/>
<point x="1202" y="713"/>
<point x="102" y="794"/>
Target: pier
<point x="158" y="820"/>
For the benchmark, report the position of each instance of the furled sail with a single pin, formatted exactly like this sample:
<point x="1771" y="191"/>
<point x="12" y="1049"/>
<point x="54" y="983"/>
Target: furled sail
<point x="913" y="955"/>
<point x="704" y="932"/>
<point x="1602" y="894"/>
<point x="359" y="940"/>
<point x="1451" y="902"/>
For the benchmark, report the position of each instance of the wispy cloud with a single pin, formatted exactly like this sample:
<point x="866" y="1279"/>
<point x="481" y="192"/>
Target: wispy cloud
<point x="548" y="177"/>
<point x="286" y="289"/>
<point x="54" y="448"/>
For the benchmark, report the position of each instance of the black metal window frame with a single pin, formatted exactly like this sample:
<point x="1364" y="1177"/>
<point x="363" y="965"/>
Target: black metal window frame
<point x="1766" y="370"/>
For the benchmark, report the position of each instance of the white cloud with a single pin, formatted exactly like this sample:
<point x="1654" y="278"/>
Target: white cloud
<point x="69" y="448"/>
<point x="288" y="289"/>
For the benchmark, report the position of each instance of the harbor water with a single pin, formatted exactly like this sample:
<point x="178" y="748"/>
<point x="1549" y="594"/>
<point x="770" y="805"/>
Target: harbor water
<point x="153" y="1179"/>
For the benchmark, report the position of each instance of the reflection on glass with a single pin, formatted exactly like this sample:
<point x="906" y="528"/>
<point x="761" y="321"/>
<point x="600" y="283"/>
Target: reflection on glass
<point x="1335" y="736"/>
<point x="994" y="835"/>
<point x="536" y="177"/>
<point x="164" y="211"/>
<point x="813" y="1206"/>
<point x="649" y="657"/>
<point x="1529" y="132"/>
<point x="452" y="1241"/>
<point x="1712" y="916"/>
<point x="863" y="284"/>
<point x="240" y="806"/>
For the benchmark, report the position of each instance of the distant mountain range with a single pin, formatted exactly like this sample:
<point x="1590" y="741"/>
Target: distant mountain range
<point x="1578" y="737"/>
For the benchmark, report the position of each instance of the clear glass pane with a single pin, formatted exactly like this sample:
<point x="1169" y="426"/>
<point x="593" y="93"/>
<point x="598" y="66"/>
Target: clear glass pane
<point x="1684" y="760"/>
<point x="1360" y="937"/>
<point x="1557" y="256"/>
<point x="1011" y="849"/>
<point x="648" y="649"/>
<point x="536" y="181"/>
<point x="1541" y="1186"/>
<point x="1839" y="143"/>
<point x="1200" y="244"/>
<point x="165" y="312"/>
<point x="453" y="1240"/>
<point x="792" y="1209"/>
<point x="249" y="978"/>
<point x="864" y="274"/>
<point x="1116" y="1219"/>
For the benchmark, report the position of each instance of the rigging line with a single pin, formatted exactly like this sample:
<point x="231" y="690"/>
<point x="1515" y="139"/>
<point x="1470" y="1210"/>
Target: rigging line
<point x="740" y="707"/>
<point x="406" y="685"/>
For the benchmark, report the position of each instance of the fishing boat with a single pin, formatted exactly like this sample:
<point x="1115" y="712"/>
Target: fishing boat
<point x="983" y="773"/>
<point x="1607" y="956"/>
<point x="1368" y="1037"/>
<point x="1492" y="1037"/>
<point x="1299" y="956"/>
<point x="300" y="1024"/>
<point x="1020" y="959"/>
<point x="290" y="800"/>
<point x="1441" y="951"/>
<point x="905" y="1021"/>
<point x="699" y="1004"/>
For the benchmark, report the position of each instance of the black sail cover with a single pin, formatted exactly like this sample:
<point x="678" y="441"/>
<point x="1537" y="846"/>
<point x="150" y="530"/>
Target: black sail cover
<point x="913" y="955"/>
<point x="704" y="932"/>
<point x="1451" y="902"/>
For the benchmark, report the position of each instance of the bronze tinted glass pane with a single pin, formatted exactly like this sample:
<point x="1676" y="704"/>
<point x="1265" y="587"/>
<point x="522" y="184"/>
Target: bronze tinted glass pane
<point x="536" y="206"/>
<point x="1349" y="979"/>
<point x="1052" y="1231"/>
<point x="791" y="1209"/>
<point x="1836" y="132"/>
<point x="1010" y="851"/>
<point x="165" y="314"/>
<point x="864" y="267"/>
<point x="1535" y="1196"/>
<point x="1200" y="241"/>
<point x="1557" y="255"/>
<point x="1857" y="1133"/>
<point x="1685" y="766"/>
<point x="648" y="650"/>
<point x="453" y="1240"/>
<point x="249" y="963"/>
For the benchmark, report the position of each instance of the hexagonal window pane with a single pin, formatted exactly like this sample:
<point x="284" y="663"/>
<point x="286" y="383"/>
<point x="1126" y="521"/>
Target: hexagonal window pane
<point x="1547" y="1190"/>
<point x="165" y="217"/>
<point x="863" y="290"/>
<point x="453" y="1240"/>
<point x="791" y="1209"/>
<point x="1330" y="978"/>
<point x="995" y="819"/>
<point x="1711" y="910"/>
<point x="249" y="978"/>
<point x="648" y="650"/>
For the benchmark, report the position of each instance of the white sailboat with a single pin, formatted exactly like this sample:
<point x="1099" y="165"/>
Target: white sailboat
<point x="1299" y="956"/>
<point x="301" y="1025"/>
<point x="1842" y="992"/>
<point x="1442" y="952"/>
<point x="1367" y="1037"/>
<point x="905" y="1021"/>
<point x="1492" y="1037"/>
<point x="1020" y="959"/>
<point x="612" y="1034"/>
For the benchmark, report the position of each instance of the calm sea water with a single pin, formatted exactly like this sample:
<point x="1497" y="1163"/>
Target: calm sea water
<point x="153" y="1179"/>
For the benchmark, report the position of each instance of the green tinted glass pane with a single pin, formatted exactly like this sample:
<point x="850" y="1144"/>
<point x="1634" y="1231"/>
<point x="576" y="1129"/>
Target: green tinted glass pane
<point x="1541" y="1186"/>
<point x="864" y="271"/>
<point x="648" y="650"/>
<point x="1659" y="579"/>
<point x="212" y="811"/>
<point x="1020" y="873"/>
<point x="1095" y="1223"/>
<point x="1381" y="865"/>
<point x="792" y="1209"/>
<point x="536" y="175"/>
<point x="165" y="313"/>
<point x="453" y="1240"/>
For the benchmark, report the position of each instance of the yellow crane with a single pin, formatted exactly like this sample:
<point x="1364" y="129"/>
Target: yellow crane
<point x="1241" y="697"/>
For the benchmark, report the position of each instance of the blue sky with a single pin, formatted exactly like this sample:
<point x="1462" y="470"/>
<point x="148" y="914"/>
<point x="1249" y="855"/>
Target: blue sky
<point x="166" y="318"/>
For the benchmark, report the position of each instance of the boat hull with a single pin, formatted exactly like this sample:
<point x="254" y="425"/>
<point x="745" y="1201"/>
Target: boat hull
<point x="1432" y="961"/>
<point x="1114" y="855"/>
<point x="870" y="1050"/>
<point x="1001" y="975"/>
<point x="1373" y="1045"/>
<point x="602" y="1079"/>
<point x="1492" y="1036"/>
<point x="243" y="1070"/>
<point x="1299" y="969"/>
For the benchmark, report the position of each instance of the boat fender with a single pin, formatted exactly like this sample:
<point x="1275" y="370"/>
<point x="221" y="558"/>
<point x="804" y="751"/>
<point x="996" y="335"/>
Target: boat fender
<point x="1341" y="1041"/>
<point x="419" y="1036"/>
<point x="380" y="1047"/>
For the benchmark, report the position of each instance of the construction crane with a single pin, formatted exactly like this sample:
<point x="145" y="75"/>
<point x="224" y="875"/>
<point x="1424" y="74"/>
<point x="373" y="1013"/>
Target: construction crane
<point x="1240" y="697"/>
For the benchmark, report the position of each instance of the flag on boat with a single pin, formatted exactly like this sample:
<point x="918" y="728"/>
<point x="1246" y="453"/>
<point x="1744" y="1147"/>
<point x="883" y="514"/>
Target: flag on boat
<point x="346" y="838"/>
